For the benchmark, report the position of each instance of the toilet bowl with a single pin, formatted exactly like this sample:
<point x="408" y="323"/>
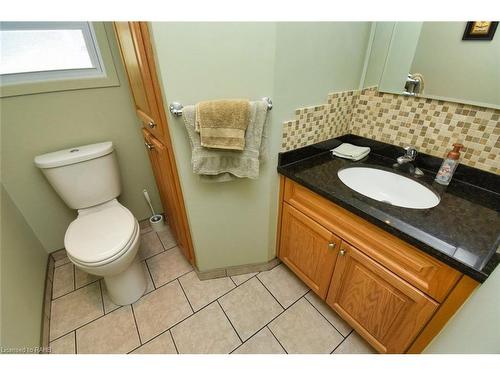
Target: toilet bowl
<point x="104" y="241"/>
<point x="104" y="238"/>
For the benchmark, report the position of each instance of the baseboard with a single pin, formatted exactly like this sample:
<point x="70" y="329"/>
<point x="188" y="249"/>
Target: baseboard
<point x="47" y="302"/>
<point x="237" y="270"/>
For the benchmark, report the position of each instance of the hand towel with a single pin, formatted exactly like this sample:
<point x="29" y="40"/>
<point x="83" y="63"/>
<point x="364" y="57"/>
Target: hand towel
<point x="215" y="165"/>
<point x="349" y="151"/>
<point x="222" y="123"/>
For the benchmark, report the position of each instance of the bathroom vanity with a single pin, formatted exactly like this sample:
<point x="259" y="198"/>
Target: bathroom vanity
<point x="396" y="275"/>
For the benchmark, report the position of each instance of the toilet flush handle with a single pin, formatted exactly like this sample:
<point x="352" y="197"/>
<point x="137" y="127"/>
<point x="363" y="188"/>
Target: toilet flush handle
<point x="149" y="146"/>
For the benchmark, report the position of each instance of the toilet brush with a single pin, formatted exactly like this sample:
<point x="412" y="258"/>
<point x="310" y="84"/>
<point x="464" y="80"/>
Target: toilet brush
<point x="156" y="220"/>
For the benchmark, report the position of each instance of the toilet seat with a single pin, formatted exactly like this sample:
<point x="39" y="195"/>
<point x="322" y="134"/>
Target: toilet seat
<point x="101" y="234"/>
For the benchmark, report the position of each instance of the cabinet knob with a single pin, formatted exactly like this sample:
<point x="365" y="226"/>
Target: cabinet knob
<point x="149" y="146"/>
<point x="151" y="125"/>
<point x="342" y="252"/>
<point x="331" y="245"/>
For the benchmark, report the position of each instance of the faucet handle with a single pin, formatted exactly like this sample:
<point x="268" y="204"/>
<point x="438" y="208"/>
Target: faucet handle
<point x="411" y="152"/>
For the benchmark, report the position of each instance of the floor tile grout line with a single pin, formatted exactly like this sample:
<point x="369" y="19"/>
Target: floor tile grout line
<point x="136" y="325"/>
<point x="65" y="294"/>
<point x="102" y="299"/>
<point x="173" y="326"/>
<point x="229" y="291"/>
<point x="153" y="291"/>
<point x="150" y="275"/>
<point x="172" y="337"/>
<point x="230" y="278"/>
<point x="276" y="299"/>
<point x="246" y="339"/>
<point x="122" y="306"/>
<point x="336" y="329"/>
<point x="170" y="328"/>
<point x="168" y="282"/>
<point x="267" y="324"/>
<point x="169" y="248"/>
<point x="76" y="343"/>
<point x="83" y="325"/>
<point x="101" y="278"/>
<point x="345" y="338"/>
<point x="231" y="323"/>
<point x="279" y="342"/>
<point x="185" y="295"/>
<point x="60" y="265"/>
<point x="205" y="305"/>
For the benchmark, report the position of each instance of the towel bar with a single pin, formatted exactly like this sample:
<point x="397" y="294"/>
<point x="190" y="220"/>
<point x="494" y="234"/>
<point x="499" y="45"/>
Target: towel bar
<point x="176" y="107"/>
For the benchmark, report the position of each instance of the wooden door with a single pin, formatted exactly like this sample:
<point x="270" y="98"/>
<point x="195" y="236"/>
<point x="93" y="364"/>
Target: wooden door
<point x="386" y="310"/>
<point x="308" y="249"/>
<point x="159" y="158"/>
<point x="137" y="58"/>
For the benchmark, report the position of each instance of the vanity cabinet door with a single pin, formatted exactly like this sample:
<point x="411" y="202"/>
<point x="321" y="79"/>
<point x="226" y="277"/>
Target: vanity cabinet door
<point x="386" y="310"/>
<point x="308" y="249"/>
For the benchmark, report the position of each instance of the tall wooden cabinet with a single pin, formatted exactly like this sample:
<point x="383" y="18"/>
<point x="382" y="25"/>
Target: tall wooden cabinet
<point x="138" y="58"/>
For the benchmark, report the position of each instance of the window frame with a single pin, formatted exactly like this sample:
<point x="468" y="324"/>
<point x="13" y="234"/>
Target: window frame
<point x="103" y="74"/>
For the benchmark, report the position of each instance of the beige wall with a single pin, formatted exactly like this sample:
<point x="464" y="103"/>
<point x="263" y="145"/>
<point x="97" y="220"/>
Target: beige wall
<point x="22" y="270"/>
<point x="295" y="64"/>
<point x="455" y="69"/>
<point x="40" y="123"/>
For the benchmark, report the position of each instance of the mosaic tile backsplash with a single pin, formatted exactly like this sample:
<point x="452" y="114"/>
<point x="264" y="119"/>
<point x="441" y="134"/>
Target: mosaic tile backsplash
<point x="429" y="125"/>
<point x="319" y="123"/>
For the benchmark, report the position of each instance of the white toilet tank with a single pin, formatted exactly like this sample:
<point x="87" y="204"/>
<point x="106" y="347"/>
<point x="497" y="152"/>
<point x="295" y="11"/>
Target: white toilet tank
<point x="83" y="176"/>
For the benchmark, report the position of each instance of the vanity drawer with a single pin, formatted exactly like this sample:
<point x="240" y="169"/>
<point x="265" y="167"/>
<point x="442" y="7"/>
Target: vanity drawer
<point x="416" y="267"/>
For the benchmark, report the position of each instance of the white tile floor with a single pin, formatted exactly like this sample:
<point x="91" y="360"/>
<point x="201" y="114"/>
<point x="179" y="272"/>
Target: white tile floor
<point x="268" y="312"/>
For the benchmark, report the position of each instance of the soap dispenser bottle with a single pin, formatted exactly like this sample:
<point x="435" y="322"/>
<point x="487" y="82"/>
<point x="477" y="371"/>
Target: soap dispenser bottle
<point x="449" y="165"/>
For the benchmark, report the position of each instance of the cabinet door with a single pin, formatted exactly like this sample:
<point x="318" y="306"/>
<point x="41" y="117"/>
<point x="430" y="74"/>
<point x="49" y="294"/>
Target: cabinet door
<point x="386" y="310"/>
<point x="134" y="52"/>
<point x="159" y="158"/>
<point x="308" y="249"/>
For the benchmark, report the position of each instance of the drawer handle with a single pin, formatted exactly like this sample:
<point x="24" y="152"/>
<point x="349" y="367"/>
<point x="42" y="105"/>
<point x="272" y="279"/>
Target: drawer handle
<point x="149" y="146"/>
<point x="342" y="252"/>
<point x="151" y="125"/>
<point x="331" y="245"/>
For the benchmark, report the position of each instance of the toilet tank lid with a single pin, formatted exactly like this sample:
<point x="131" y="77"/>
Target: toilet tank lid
<point x="73" y="155"/>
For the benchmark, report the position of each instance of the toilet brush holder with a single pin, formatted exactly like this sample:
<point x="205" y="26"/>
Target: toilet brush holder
<point x="157" y="223"/>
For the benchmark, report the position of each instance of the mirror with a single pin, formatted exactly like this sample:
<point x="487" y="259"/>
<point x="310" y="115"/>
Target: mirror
<point x="453" y="69"/>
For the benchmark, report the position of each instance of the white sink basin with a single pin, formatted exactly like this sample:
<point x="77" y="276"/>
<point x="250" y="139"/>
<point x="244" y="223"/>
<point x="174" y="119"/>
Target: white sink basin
<point x="388" y="187"/>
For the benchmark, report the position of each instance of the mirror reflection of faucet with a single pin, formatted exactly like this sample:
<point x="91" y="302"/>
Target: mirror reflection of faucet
<point x="414" y="84"/>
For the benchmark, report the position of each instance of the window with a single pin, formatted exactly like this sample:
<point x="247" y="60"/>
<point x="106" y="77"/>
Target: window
<point x="52" y="56"/>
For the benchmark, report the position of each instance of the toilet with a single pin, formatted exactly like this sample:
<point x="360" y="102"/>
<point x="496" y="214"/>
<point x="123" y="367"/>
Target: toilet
<point x="104" y="239"/>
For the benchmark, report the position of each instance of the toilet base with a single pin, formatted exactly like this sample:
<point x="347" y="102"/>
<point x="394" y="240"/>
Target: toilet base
<point x="127" y="286"/>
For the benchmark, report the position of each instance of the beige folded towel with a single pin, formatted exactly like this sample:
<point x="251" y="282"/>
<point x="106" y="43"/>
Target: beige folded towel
<point x="214" y="165"/>
<point x="222" y="123"/>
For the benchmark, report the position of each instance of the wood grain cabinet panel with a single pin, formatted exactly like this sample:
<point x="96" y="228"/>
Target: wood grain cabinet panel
<point x="159" y="158"/>
<point x="418" y="268"/>
<point x="308" y="249"/>
<point x="385" y="309"/>
<point x="139" y="61"/>
<point x="134" y="51"/>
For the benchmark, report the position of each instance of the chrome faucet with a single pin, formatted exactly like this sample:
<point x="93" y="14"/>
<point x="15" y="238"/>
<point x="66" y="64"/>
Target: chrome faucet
<point x="406" y="161"/>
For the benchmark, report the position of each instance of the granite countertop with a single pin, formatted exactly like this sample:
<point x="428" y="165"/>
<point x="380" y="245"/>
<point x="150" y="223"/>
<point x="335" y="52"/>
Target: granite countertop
<point x="463" y="230"/>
